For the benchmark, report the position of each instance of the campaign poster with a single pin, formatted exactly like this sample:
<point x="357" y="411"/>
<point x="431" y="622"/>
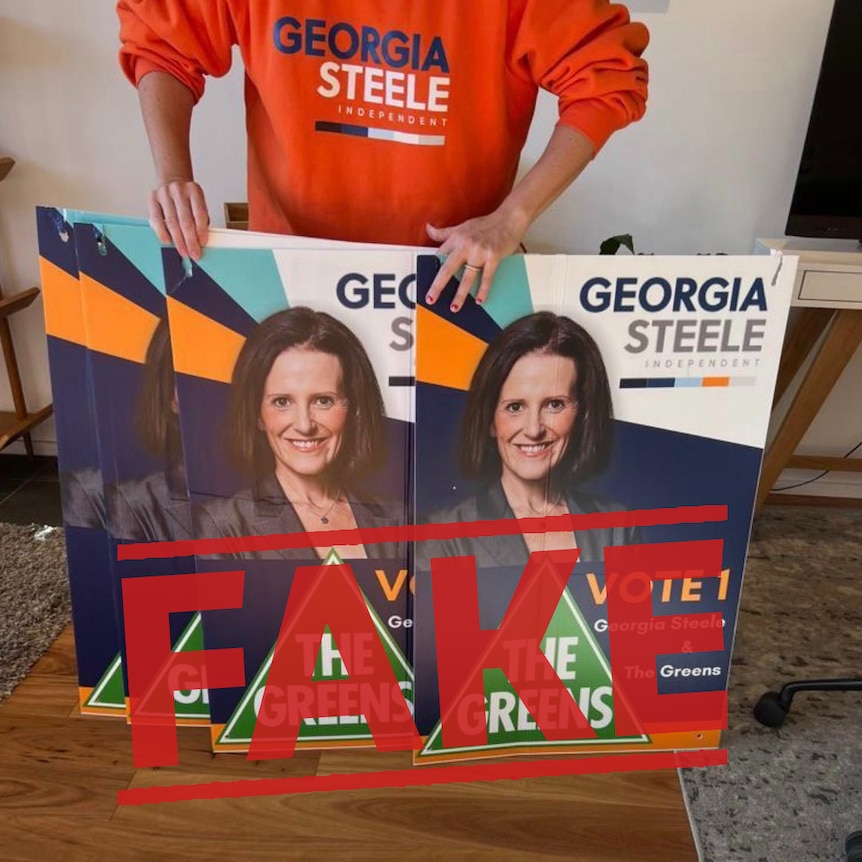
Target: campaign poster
<point x="120" y="455"/>
<point x="137" y="424"/>
<point x="588" y="385"/>
<point x="81" y="483"/>
<point x="294" y="372"/>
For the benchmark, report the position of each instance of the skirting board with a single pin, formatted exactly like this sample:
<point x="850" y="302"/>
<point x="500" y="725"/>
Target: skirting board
<point x="40" y="447"/>
<point x="831" y="485"/>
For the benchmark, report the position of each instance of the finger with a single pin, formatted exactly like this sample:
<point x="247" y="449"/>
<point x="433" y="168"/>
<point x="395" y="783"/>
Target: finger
<point x="438" y="234"/>
<point x="467" y="281"/>
<point x="487" y="280"/>
<point x="200" y="213"/>
<point x="157" y="219"/>
<point x="450" y="266"/>
<point x="172" y="222"/>
<point x="450" y="245"/>
<point x="180" y="197"/>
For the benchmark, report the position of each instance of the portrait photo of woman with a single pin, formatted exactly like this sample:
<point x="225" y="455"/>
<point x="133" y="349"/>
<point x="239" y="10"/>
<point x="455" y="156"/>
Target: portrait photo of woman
<point x="537" y="424"/>
<point x="305" y="426"/>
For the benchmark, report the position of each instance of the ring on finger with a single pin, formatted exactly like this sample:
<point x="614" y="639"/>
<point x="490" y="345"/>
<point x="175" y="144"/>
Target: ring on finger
<point x="472" y="267"/>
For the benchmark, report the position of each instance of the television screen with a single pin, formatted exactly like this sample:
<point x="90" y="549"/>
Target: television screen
<point x="827" y="200"/>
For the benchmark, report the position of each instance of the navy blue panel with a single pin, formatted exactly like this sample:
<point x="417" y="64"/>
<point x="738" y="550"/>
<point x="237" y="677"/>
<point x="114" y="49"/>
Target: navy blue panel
<point x="661" y="383"/>
<point x="202" y="293"/>
<point x="393" y="481"/>
<point x="114" y="270"/>
<point x="51" y="227"/>
<point x="634" y="383"/>
<point x="92" y="603"/>
<point x="652" y="468"/>
<point x="471" y="318"/>
<point x="438" y="430"/>
<point x="203" y="406"/>
<point x="77" y="442"/>
<point x="117" y="386"/>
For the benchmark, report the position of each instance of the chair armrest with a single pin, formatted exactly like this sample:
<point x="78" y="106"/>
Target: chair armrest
<point x="19" y="301"/>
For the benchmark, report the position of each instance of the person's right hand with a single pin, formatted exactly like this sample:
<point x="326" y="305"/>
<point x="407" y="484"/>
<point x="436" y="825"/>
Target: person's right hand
<point x="179" y="215"/>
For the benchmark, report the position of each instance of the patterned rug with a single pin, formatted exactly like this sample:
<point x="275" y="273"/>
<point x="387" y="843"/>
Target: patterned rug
<point x="34" y="598"/>
<point x="796" y="792"/>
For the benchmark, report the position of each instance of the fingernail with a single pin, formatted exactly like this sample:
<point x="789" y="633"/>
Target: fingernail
<point x="454" y="306"/>
<point x="430" y="299"/>
<point x="479" y="301"/>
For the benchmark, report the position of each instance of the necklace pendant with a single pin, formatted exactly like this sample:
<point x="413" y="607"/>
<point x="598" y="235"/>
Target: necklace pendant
<point x="324" y="520"/>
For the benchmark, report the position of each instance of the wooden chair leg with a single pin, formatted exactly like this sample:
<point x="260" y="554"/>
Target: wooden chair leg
<point x="800" y="342"/>
<point x="12" y="369"/>
<point x="836" y="350"/>
<point x="15" y="380"/>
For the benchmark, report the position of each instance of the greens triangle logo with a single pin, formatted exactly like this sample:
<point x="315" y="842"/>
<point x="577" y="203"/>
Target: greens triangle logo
<point x="109" y="691"/>
<point x="190" y="705"/>
<point x="321" y="732"/>
<point x="578" y="660"/>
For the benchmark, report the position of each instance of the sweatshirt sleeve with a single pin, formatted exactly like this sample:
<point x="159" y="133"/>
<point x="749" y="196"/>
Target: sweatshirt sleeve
<point x="185" y="38"/>
<point x="588" y="54"/>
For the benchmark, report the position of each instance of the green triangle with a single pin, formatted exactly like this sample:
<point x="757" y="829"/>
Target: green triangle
<point x="109" y="692"/>
<point x="573" y="651"/>
<point x="240" y="727"/>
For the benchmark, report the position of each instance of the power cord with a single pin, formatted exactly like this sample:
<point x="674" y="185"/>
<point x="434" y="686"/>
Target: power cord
<point x="818" y="477"/>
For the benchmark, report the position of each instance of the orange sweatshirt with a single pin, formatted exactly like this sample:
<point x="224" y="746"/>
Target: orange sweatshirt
<point x="368" y="119"/>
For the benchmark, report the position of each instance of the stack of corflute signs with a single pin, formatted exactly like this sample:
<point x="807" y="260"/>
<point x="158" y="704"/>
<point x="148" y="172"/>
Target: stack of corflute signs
<point x="285" y="386"/>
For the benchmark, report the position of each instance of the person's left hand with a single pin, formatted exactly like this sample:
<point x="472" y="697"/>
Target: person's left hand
<point x="478" y="245"/>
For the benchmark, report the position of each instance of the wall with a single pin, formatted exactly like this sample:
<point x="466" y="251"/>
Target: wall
<point x="710" y="167"/>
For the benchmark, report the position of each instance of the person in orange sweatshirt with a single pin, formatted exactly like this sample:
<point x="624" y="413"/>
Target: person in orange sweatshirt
<point x="388" y="121"/>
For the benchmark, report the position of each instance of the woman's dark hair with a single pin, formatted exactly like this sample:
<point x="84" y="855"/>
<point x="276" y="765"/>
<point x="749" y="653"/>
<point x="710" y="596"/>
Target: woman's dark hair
<point x="589" y="448"/>
<point x="157" y="423"/>
<point x="363" y="447"/>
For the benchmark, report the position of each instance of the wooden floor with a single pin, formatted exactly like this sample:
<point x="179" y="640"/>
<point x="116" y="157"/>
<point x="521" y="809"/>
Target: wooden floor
<point x="60" y="773"/>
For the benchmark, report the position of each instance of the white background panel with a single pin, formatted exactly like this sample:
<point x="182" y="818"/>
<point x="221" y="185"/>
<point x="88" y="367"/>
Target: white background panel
<point x="737" y="414"/>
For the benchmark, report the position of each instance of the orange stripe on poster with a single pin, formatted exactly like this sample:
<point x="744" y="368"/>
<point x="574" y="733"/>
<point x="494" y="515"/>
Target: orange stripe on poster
<point x="445" y="354"/>
<point x="115" y="325"/>
<point x="716" y="381"/>
<point x="692" y="740"/>
<point x="201" y="346"/>
<point x="61" y="296"/>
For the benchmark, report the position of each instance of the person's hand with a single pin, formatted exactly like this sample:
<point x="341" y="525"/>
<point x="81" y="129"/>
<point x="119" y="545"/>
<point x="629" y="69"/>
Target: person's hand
<point x="478" y="245"/>
<point x="178" y="215"/>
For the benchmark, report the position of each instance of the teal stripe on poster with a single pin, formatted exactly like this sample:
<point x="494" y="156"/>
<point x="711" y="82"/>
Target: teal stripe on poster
<point x="84" y="217"/>
<point x="140" y="246"/>
<point x="510" y="297"/>
<point x="233" y="273"/>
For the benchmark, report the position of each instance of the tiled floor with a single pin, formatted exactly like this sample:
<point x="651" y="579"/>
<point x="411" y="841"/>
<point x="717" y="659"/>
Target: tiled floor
<point x="29" y="490"/>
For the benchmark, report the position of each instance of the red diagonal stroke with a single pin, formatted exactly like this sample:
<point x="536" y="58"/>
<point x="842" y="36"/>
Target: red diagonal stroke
<point x="424" y="777"/>
<point x="423" y="532"/>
